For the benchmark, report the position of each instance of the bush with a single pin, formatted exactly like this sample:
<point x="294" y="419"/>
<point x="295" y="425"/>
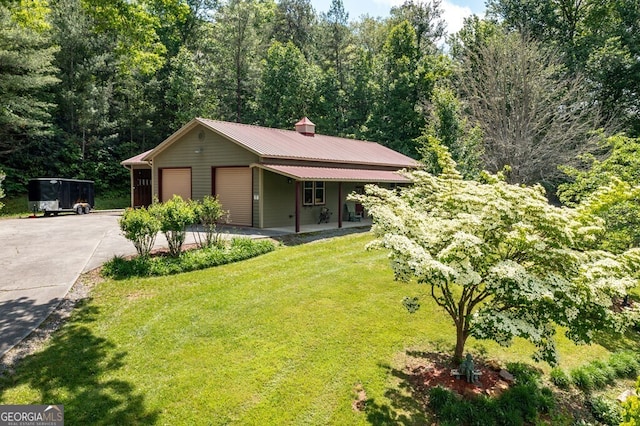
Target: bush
<point x="582" y="378"/>
<point x="141" y="227"/>
<point x="208" y="213"/>
<point x="605" y="411"/>
<point x="625" y="364"/>
<point x="175" y="216"/>
<point x="631" y="408"/>
<point x="239" y="249"/>
<point x="524" y="373"/>
<point x="560" y="378"/>
<point x="439" y="397"/>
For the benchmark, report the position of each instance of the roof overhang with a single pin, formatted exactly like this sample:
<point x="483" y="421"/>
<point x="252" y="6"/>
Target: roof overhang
<point x="306" y="173"/>
<point x="137" y="160"/>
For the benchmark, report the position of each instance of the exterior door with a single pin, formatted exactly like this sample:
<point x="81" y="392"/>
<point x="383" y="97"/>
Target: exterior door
<point x="141" y="187"/>
<point x="234" y="190"/>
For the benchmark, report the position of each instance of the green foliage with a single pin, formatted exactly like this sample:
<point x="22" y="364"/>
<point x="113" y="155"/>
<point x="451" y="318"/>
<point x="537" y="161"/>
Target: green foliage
<point x="175" y="215"/>
<point x="499" y="259"/>
<point x="236" y="250"/>
<point x="631" y="408"/>
<point x="608" y="188"/>
<point x="599" y="374"/>
<point x="605" y="411"/>
<point x="208" y="213"/>
<point x="449" y="128"/>
<point x="140" y="226"/>
<point x="560" y="378"/>
<point x="522" y="404"/>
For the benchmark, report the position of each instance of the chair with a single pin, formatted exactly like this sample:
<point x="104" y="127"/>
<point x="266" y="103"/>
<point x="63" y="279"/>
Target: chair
<point x="352" y="215"/>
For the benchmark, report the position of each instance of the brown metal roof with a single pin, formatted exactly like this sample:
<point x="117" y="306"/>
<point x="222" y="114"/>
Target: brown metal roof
<point x="289" y="144"/>
<point x="137" y="160"/>
<point x="335" y="174"/>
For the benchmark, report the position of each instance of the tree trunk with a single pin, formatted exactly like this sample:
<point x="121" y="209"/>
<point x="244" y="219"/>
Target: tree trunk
<point x="461" y="339"/>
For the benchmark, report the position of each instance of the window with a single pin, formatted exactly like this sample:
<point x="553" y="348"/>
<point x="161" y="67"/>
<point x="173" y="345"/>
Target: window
<point x="313" y="193"/>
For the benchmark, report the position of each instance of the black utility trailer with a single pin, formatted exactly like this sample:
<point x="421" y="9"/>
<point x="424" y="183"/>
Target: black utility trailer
<point x="57" y="195"/>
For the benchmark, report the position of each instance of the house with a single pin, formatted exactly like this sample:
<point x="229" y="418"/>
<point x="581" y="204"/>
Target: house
<point x="264" y="177"/>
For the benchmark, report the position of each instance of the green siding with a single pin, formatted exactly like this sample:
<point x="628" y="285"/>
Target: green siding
<point x="214" y="151"/>
<point x="279" y="201"/>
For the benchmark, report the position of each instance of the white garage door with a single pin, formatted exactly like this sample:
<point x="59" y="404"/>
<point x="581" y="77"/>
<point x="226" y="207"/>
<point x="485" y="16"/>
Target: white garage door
<point x="176" y="181"/>
<point x="233" y="187"/>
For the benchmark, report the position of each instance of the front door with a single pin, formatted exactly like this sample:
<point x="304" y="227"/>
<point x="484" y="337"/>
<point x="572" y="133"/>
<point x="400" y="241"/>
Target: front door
<point x="141" y="187"/>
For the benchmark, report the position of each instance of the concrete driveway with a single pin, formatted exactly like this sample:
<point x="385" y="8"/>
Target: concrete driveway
<point x="41" y="258"/>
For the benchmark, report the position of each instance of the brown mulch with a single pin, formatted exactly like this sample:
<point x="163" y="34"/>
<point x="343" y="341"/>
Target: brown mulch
<point x="434" y="369"/>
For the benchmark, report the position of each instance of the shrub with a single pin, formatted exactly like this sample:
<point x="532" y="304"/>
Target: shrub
<point x="208" y="213"/>
<point x="141" y="227"/>
<point x="175" y="216"/>
<point x="439" y="397"/>
<point x="631" y="408"/>
<point x="582" y="379"/>
<point x="524" y="373"/>
<point x="560" y="378"/>
<point x="605" y="411"/>
<point x="243" y="248"/>
<point x="625" y="364"/>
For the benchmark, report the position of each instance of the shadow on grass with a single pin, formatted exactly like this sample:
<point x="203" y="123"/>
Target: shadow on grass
<point x="629" y="341"/>
<point x="290" y="240"/>
<point x="405" y="408"/>
<point x="73" y="370"/>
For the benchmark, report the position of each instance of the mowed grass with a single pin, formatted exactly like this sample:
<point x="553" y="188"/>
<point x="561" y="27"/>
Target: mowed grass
<point x="285" y="338"/>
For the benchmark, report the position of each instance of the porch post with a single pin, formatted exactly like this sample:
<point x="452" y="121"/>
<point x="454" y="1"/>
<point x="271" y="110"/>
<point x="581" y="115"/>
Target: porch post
<point x="297" y="206"/>
<point x="340" y="205"/>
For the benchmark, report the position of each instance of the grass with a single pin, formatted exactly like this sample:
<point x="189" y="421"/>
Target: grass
<point x="19" y="205"/>
<point x="285" y="338"/>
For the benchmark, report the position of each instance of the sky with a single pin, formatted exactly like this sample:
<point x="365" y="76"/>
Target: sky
<point x="454" y="10"/>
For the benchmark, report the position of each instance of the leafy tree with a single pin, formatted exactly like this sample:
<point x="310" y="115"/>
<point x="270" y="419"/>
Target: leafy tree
<point x="608" y="188"/>
<point x="26" y="73"/>
<point x="451" y="129"/>
<point x="426" y="18"/>
<point x="396" y="120"/>
<point x="499" y="259"/>
<point x="287" y="86"/>
<point x="295" y="21"/>
<point x="532" y="118"/>
<point x="237" y="42"/>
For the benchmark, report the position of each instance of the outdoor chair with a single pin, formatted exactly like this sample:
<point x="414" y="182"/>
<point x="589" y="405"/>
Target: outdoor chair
<point x="352" y="215"/>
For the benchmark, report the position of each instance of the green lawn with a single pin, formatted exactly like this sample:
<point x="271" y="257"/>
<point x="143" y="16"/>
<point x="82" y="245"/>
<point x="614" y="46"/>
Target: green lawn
<point x="284" y="338"/>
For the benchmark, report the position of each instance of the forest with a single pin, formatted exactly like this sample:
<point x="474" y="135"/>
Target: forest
<point x="535" y="89"/>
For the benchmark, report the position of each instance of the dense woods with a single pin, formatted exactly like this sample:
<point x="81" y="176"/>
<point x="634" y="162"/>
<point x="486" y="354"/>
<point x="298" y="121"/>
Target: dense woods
<point x="85" y="84"/>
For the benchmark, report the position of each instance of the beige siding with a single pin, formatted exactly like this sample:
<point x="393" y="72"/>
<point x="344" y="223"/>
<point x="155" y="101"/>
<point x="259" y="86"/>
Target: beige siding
<point x="234" y="190"/>
<point x="201" y="149"/>
<point x="176" y="182"/>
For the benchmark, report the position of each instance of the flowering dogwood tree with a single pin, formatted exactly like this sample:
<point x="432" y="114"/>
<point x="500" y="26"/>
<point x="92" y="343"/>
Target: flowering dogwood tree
<point x="499" y="259"/>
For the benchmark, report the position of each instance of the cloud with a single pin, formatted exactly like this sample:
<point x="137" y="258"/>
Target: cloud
<point x="454" y="16"/>
<point x="452" y="13"/>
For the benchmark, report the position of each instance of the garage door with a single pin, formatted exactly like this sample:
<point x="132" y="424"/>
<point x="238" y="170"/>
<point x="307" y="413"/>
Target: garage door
<point x="175" y="181"/>
<point x="233" y="187"/>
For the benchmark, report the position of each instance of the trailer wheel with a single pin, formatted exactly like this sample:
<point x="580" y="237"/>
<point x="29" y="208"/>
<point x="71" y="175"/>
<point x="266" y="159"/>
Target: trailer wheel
<point x="79" y="210"/>
<point x="87" y="209"/>
<point x="46" y="213"/>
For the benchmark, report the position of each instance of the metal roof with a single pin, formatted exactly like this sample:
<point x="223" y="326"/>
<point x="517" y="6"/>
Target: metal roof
<point x="291" y="145"/>
<point x="335" y="174"/>
<point x="137" y="160"/>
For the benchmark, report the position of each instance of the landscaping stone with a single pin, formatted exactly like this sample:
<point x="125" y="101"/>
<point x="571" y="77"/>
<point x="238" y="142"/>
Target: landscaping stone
<point x="505" y="375"/>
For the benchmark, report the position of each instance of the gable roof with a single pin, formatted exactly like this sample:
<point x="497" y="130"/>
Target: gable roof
<point x="291" y="145"/>
<point x="136" y="160"/>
